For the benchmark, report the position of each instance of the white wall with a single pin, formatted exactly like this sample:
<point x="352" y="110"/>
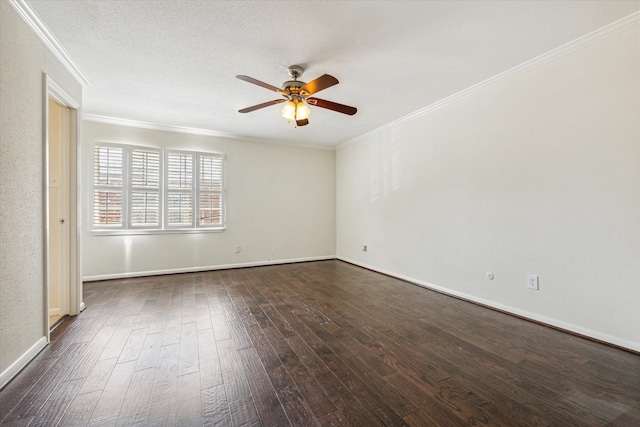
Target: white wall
<point x="280" y="207"/>
<point x="535" y="174"/>
<point x="23" y="60"/>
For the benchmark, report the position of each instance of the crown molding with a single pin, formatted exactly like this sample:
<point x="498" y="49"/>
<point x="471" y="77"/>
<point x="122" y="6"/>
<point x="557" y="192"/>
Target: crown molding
<point x="154" y="126"/>
<point x="190" y="131"/>
<point x="35" y="23"/>
<point x="607" y="31"/>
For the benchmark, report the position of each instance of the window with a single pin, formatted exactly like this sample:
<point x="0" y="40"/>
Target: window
<point x="107" y="185"/>
<point x="179" y="189"/>
<point x="194" y="189"/>
<point x="143" y="188"/>
<point x="210" y="171"/>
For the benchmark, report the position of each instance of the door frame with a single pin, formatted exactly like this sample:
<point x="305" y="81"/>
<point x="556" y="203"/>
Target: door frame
<point x="74" y="293"/>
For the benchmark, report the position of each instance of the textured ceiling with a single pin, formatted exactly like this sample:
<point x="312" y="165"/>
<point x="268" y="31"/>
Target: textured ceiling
<point x="175" y="62"/>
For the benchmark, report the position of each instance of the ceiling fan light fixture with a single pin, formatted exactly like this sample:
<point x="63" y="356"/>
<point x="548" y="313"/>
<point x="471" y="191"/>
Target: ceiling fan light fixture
<point x="289" y="110"/>
<point x="302" y="111"/>
<point x="295" y="109"/>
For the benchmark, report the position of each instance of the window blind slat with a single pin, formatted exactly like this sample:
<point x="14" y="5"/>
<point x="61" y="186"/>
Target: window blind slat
<point x="179" y="209"/>
<point x="145" y="208"/>
<point x="210" y="172"/>
<point x="107" y="207"/>
<point x="145" y="183"/>
<point x="107" y="179"/>
<point x="179" y="189"/>
<point x="108" y="166"/>
<point x="210" y="209"/>
<point x="145" y="169"/>
<point x="180" y="171"/>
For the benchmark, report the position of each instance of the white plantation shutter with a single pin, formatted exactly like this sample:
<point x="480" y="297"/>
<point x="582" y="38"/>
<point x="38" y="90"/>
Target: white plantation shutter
<point x="152" y="190"/>
<point x="108" y="173"/>
<point x="180" y="189"/>
<point x="210" y="187"/>
<point x="145" y="188"/>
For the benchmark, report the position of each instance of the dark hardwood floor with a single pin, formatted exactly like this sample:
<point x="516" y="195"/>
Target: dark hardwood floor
<point x="312" y="344"/>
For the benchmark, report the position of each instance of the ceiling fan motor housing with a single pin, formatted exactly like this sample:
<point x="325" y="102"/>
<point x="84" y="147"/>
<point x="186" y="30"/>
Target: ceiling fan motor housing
<point x="293" y="86"/>
<point x="295" y="71"/>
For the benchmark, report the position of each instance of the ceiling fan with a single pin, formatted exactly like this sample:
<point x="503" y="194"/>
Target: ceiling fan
<point x="297" y="96"/>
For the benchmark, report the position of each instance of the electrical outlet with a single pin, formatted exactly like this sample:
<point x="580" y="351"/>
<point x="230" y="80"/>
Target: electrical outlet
<point x="532" y="282"/>
<point x="364" y="248"/>
<point x="237" y="249"/>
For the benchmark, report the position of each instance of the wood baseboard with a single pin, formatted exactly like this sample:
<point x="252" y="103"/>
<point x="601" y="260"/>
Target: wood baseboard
<point x="22" y="361"/>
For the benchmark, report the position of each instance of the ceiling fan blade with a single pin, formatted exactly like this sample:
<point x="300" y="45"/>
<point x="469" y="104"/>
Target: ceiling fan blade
<point x="329" y="105"/>
<point x="259" y="106"/>
<point x="259" y="83"/>
<point x="302" y="122"/>
<point x="321" y="83"/>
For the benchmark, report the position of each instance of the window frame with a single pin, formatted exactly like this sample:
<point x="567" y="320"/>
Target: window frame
<point x="106" y="187"/>
<point x="126" y="227"/>
<point x="183" y="191"/>
<point x="200" y="190"/>
<point x="131" y="188"/>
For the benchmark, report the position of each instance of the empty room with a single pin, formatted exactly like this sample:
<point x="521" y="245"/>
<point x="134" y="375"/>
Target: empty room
<point x="319" y="213"/>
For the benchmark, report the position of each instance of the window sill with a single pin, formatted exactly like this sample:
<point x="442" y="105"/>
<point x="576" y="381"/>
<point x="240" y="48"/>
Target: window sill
<point x="131" y="232"/>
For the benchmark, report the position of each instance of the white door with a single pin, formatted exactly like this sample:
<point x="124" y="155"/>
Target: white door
<point x="58" y="204"/>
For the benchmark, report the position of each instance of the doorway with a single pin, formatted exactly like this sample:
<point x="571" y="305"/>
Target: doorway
<point x="63" y="288"/>
<point x="58" y="185"/>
